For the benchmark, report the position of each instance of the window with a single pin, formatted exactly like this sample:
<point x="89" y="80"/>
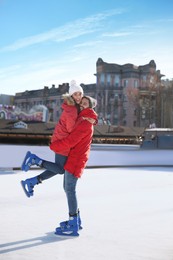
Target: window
<point x="108" y="79"/>
<point x="135" y="112"/>
<point x="135" y="83"/>
<point x="102" y="79"/>
<point x="144" y="77"/>
<point x="125" y="83"/>
<point x="117" y="81"/>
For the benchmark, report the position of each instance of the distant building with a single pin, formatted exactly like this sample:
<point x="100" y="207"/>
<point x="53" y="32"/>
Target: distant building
<point x="46" y="97"/>
<point x="6" y="99"/>
<point x="127" y="94"/>
<point x="166" y="104"/>
<point x="51" y="98"/>
<point x="6" y="105"/>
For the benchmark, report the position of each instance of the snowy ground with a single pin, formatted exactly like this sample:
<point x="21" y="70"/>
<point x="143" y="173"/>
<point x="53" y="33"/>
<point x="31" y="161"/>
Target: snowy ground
<point x="127" y="214"/>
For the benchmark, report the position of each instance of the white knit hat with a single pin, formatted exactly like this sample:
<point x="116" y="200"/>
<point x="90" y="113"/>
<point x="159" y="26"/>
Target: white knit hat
<point x="74" y="88"/>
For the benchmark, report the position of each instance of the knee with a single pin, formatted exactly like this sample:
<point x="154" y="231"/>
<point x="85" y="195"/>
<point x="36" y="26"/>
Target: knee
<point x="61" y="171"/>
<point x="69" y="189"/>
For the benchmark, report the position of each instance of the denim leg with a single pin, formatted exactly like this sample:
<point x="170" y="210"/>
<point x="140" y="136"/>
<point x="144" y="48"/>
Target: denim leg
<point x="70" y="182"/>
<point x="53" y="168"/>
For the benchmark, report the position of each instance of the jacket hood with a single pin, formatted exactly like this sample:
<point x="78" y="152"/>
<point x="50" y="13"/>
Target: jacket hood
<point x="68" y="99"/>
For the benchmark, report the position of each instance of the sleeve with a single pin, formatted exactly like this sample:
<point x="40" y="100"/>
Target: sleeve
<point x="73" y="139"/>
<point x="69" y="117"/>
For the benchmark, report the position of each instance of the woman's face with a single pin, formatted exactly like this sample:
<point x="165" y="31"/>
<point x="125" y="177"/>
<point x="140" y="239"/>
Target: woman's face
<point x="77" y="96"/>
<point x="84" y="103"/>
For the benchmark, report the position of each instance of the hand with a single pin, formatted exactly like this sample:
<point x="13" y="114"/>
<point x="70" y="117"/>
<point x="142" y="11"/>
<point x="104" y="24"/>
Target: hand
<point x="91" y="120"/>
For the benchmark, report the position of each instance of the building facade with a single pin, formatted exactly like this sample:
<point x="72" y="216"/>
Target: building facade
<point x="51" y="98"/>
<point x="47" y="97"/>
<point x="6" y="100"/>
<point x="127" y="95"/>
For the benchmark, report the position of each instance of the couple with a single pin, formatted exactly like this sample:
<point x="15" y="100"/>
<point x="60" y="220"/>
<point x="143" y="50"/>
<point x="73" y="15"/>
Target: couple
<point x="71" y="142"/>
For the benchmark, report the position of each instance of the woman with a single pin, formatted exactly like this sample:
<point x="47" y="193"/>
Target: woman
<point x="65" y="125"/>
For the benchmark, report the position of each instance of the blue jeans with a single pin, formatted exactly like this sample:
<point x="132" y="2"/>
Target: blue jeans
<point x="70" y="182"/>
<point x="53" y="168"/>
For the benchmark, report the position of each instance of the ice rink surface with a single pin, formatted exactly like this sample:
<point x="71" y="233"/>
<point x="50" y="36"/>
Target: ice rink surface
<point x="127" y="214"/>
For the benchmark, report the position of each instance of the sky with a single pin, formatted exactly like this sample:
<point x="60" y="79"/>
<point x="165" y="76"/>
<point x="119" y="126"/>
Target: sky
<point x="126" y="214"/>
<point x="48" y="42"/>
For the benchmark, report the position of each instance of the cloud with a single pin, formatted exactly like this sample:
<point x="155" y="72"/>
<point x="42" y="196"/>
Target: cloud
<point x="117" y="34"/>
<point x="69" y="31"/>
<point x="87" y="44"/>
<point x="11" y="70"/>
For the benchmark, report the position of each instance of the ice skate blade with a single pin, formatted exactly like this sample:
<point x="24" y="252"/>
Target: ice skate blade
<point x="66" y="233"/>
<point x="24" y="189"/>
<point x="25" y="167"/>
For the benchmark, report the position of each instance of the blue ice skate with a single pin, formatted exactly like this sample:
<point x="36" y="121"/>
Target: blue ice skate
<point x="28" y="186"/>
<point x="70" y="229"/>
<point x="29" y="160"/>
<point x="65" y="223"/>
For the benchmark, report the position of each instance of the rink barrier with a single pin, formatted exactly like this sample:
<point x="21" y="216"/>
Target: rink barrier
<point x="91" y="167"/>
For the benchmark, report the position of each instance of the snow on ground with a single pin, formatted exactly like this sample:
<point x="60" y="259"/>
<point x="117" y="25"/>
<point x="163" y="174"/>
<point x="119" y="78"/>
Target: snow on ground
<point x="127" y="214"/>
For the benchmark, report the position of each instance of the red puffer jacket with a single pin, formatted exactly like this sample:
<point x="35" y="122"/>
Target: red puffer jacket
<point x="66" y="122"/>
<point x="79" y="142"/>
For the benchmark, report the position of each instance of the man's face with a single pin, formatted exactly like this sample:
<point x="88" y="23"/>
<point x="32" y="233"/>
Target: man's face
<point x="84" y="103"/>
